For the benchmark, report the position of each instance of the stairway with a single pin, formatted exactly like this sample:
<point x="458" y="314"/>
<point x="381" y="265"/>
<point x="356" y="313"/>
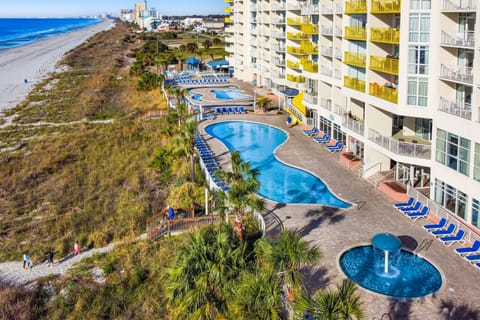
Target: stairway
<point x="378" y="177"/>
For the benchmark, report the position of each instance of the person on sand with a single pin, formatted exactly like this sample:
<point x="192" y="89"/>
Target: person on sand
<point x="27" y="263"/>
<point x="76" y="248"/>
<point x="51" y="253"/>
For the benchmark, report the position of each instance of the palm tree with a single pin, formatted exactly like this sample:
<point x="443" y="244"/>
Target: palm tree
<point x="264" y="103"/>
<point x="339" y="304"/>
<point x="242" y="195"/>
<point x="203" y="276"/>
<point x="186" y="143"/>
<point x="286" y="255"/>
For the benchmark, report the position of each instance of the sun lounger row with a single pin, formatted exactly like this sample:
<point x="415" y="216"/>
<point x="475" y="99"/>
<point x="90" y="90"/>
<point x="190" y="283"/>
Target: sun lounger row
<point x="229" y="110"/>
<point x="209" y="162"/>
<point x="203" y="81"/>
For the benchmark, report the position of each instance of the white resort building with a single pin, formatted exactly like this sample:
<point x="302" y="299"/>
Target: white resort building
<point x="393" y="80"/>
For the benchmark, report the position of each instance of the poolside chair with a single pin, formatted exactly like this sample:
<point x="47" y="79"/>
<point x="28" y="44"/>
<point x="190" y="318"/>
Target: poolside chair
<point x="449" y="240"/>
<point x="311" y="132"/>
<point x="441" y="224"/>
<point x="404" y="204"/>
<point x="324" y="139"/>
<point x="337" y="147"/>
<point x="444" y="232"/>
<point x="224" y="110"/>
<point x="218" y="110"/>
<point x="413" y="208"/>
<point x="468" y="250"/>
<point x="242" y="109"/>
<point x="236" y="110"/>
<point x="472" y="258"/>
<point x="230" y="110"/>
<point x="415" y="215"/>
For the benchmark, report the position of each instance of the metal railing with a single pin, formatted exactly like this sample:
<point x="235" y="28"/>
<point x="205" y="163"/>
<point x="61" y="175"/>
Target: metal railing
<point x="457" y="74"/>
<point x="326" y="51"/>
<point x="354" y="83"/>
<point x="354" y="125"/>
<point x="382" y="92"/>
<point x="355" y="6"/>
<point x="339" y="110"/>
<point x="355" y="33"/>
<point x="326" y="30"/>
<point x="327" y="9"/>
<point x="326" y="104"/>
<point x="311" y="98"/>
<point x="385" y="35"/>
<point x="326" y="71"/>
<point x="308" y="10"/>
<point x="463" y="39"/>
<point x="384" y="64"/>
<point x="355" y="59"/>
<point x="471" y="234"/>
<point x="455" y="109"/>
<point x="459" y="5"/>
<point x="383" y="6"/>
<point x="402" y="148"/>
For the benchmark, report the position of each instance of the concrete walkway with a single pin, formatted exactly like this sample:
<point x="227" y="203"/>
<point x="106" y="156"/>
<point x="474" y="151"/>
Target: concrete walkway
<point x="334" y="231"/>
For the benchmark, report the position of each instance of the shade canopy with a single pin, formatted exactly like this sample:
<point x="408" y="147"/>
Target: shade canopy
<point x="192" y="60"/>
<point x="386" y="241"/>
<point x="290" y="92"/>
<point x="219" y="64"/>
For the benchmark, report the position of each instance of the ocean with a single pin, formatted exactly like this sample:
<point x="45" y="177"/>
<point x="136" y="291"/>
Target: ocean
<point x="16" y="32"/>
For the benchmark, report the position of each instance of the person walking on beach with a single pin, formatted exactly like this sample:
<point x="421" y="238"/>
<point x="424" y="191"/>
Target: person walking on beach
<point x="51" y="253"/>
<point x="76" y="248"/>
<point x="27" y="263"/>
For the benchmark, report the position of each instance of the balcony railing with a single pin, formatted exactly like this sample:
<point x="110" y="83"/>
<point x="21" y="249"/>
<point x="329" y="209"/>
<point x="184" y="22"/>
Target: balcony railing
<point x="298" y="79"/>
<point x="339" y="110"/>
<point x="327" y="31"/>
<point x="385" y="35"/>
<point x="459" y="5"/>
<point x="327" y="9"/>
<point x="326" y="104"/>
<point x="228" y="20"/>
<point x="338" y="74"/>
<point x="385" y="6"/>
<point x="383" y="64"/>
<point x="308" y="10"/>
<point x="326" y="51"/>
<point x="338" y="8"/>
<point x="277" y="75"/>
<point x="277" y="6"/>
<point x="277" y="21"/>
<point x="294" y="6"/>
<point x="462" y="39"/>
<point x="309" y="28"/>
<point x="228" y="9"/>
<point x="310" y="67"/>
<point x="294" y="21"/>
<point x="326" y="71"/>
<point x="382" y="92"/>
<point x="355" y="33"/>
<point x="354" y="125"/>
<point x="402" y="148"/>
<point x="296" y="36"/>
<point x="355" y="59"/>
<point x="278" y="34"/>
<point x="338" y="31"/>
<point x="355" y="6"/>
<point x="278" y="48"/>
<point x="354" y="83"/>
<point x="457" y="74"/>
<point x="463" y="111"/>
<point x="278" y="62"/>
<point x="293" y="65"/>
<point x="338" y="53"/>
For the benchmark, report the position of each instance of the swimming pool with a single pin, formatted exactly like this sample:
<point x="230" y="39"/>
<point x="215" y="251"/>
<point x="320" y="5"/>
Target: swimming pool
<point x="278" y="182"/>
<point x="230" y="94"/>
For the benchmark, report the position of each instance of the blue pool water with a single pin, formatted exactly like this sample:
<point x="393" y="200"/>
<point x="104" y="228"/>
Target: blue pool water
<point x="230" y="94"/>
<point x="279" y="182"/>
<point x="409" y="276"/>
<point x="197" y="97"/>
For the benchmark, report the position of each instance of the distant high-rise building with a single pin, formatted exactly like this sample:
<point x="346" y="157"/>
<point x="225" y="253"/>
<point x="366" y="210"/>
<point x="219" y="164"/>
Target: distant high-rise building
<point x="140" y="7"/>
<point x="127" y="15"/>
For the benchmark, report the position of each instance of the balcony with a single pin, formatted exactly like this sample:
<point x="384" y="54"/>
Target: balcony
<point x="296" y="51"/>
<point x="310" y="66"/>
<point x="277" y="75"/>
<point x="456" y="74"/>
<point x="463" y="111"/>
<point x="386" y="6"/>
<point x="278" y="34"/>
<point x="327" y="31"/>
<point x="309" y="28"/>
<point x="339" y="110"/>
<point x="228" y="20"/>
<point x="338" y="31"/>
<point x="386" y="65"/>
<point x="354" y="125"/>
<point x="297" y="79"/>
<point x="355" y="59"/>
<point x="326" y="51"/>
<point x="337" y="74"/>
<point x="382" y="92"/>
<point x="275" y="6"/>
<point x="294" y="22"/>
<point x="462" y="39"/>
<point x="327" y="9"/>
<point x="459" y="5"/>
<point x="311" y="98"/>
<point x="294" y="6"/>
<point x="278" y="48"/>
<point x="278" y="62"/>
<point x="228" y="9"/>
<point x="338" y="8"/>
<point x="277" y="21"/>
<point x="355" y="6"/>
<point x="296" y="36"/>
<point x="408" y="149"/>
<point x="229" y="1"/>
<point x="385" y="35"/>
<point x="355" y="33"/>
<point x="308" y="10"/>
<point x="326" y="71"/>
<point x="354" y="83"/>
<point x="326" y="104"/>
<point x="293" y="65"/>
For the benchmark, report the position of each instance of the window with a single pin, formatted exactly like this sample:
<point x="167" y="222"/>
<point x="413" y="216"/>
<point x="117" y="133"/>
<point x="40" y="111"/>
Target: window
<point x="325" y="125"/>
<point x="419" y="27"/>
<point x="476" y="213"/>
<point x="338" y="134"/>
<point x="451" y="198"/>
<point x="418" y="60"/>
<point x="420" y="4"/>
<point x="423" y="128"/>
<point x="417" y="91"/>
<point x="453" y="151"/>
<point x="476" y="162"/>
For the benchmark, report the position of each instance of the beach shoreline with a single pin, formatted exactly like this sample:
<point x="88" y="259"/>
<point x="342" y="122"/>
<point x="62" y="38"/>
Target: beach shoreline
<point x="21" y="68"/>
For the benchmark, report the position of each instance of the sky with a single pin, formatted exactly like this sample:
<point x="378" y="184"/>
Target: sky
<point x="75" y="8"/>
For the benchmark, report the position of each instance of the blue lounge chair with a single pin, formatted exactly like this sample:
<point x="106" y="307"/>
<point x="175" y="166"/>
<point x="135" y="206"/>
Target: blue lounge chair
<point x="324" y="139"/>
<point x="413" y="208"/>
<point x="468" y="250"/>
<point x="242" y="109"/>
<point x="224" y="110"/>
<point x="312" y="132"/>
<point x="449" y="240"/>
<point x="444" y="232"/>
<point x="415" y="215"/>
<point x="230" y="110"/>
<point x="441" y="224"/>
<point x="404" y="204"/>
<point x="235" y="109"/>
<point x="472" y="258"/>
<point x="337" y="147"/>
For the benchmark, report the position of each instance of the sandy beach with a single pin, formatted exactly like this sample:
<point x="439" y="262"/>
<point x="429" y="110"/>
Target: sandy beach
<point x="35" y="61"/>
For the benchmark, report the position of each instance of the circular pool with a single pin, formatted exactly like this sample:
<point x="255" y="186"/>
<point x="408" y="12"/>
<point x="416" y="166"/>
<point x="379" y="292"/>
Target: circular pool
<point x="407" y="276"/>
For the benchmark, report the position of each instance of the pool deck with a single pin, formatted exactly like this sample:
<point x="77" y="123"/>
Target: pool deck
<point x="334" y="230"/>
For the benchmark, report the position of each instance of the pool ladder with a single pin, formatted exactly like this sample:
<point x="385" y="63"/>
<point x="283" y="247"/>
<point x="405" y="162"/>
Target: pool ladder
<point x="424" y="245"/>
